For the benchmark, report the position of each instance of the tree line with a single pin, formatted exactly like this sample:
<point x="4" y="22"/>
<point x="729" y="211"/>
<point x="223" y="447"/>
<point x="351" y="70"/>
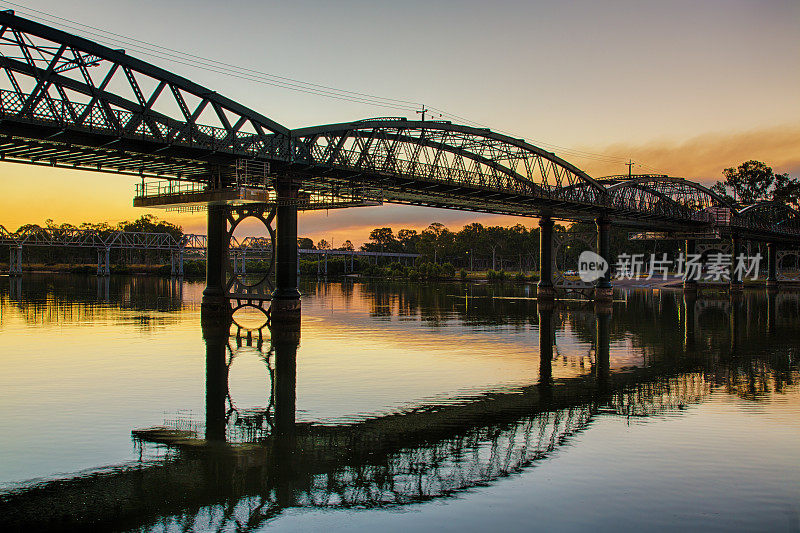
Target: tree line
<point x="53" y="255"/>
<point x="504" y="248"/>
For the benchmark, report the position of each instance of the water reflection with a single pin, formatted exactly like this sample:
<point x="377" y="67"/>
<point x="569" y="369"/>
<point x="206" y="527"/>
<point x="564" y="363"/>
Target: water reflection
<point x="245" y="467"/>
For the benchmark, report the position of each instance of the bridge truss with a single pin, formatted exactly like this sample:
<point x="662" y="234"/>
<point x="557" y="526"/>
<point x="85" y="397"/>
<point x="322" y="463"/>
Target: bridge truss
<point x="66" y="101"/>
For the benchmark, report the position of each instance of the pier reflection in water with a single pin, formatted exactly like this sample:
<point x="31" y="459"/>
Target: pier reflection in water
<point x="654" y="355"/>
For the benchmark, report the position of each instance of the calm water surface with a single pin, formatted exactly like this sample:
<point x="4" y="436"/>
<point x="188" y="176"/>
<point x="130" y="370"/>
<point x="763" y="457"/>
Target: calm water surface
<point x="396" y="407"/>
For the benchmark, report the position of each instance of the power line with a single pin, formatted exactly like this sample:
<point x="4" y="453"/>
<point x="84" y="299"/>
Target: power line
<point x="315" y="89"/>
<point x="171" y="52"/>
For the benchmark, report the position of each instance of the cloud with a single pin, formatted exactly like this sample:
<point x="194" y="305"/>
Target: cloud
<point x="704" y="157"/>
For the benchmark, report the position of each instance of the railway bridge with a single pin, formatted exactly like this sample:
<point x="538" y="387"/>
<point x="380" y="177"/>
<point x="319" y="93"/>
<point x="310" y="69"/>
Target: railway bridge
<point x="69" y="102"/>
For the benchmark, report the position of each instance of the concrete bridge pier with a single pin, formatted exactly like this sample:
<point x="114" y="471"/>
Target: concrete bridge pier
<point x="772" y="267"/>
<point x="545" y="289"/>
<point x="737" y="283"/>
<point x="603" y="292"/>
<point x="176" y="263"/>
<point x="103" y="262"/>
<point x="215" y="302"/>
<point x="286" y="298"/>
<point x="15" y="261"/>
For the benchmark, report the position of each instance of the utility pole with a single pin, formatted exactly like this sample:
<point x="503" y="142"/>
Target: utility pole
<point x="630" y="166"/>
<point x="422" y="112"/>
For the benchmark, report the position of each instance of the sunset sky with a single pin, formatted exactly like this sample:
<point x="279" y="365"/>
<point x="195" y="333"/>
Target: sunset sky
<point x="685" y="88"/>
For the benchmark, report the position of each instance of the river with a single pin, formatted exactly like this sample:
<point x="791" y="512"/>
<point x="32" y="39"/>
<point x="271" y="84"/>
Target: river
<point x="394" y="407"/>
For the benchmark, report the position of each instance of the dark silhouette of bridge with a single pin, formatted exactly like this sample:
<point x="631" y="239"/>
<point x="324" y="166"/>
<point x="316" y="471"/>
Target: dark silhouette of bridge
<point x="176" y="245"/>
<point x="73" y="103"/>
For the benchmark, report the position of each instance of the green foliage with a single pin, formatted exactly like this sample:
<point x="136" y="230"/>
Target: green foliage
<point x="194" y="269"/>
<point x="754" y="181"/>
<point x="448" y="270"/>
<point x="83" y="269"/>
<point x="474" y="246"/>
<point x="496" y="275"/>
<point x="304" y="243"/>
<point x="149" y="223"/>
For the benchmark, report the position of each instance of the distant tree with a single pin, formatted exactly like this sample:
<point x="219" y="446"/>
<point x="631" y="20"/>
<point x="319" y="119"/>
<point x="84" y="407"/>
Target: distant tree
<point x="382" y="240"/>
<point x="28" y="228"/>
<point x="348" y="245"/>
<point x="323" y="245"/>
<point x="408" y="239"/>
<point x="151" y="224"/>
<point x="304" y="243"/>
<point x="754" y="181"/>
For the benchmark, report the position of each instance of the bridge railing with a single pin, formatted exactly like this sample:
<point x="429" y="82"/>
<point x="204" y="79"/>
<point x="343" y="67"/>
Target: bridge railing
<point x="168" y="187"/>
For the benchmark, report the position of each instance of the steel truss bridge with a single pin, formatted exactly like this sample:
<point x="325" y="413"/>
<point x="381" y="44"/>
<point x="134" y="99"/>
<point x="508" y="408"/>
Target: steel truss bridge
<point x="66" y="101"/>
<point x="70" y="102"/>
<point x="178" y="246"/>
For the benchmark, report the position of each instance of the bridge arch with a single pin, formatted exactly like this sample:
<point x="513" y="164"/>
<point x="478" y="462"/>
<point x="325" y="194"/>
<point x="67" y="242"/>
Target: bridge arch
<point x="671" y="196"/>
<point x="68" y="89"/>
<point x="770" y="216"/>
<point x="403" y="157"/>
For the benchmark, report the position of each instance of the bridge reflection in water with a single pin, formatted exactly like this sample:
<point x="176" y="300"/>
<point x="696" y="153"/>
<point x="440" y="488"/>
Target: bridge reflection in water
<point x="246" y="467"/>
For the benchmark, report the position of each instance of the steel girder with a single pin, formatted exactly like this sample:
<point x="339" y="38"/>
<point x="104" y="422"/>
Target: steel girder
<point x="444" y="165"/>
<point x="666" y="197"/>
<point x="685" y="195"/>
<point x="126" y="115"/>
<point x="769" y="217"/>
